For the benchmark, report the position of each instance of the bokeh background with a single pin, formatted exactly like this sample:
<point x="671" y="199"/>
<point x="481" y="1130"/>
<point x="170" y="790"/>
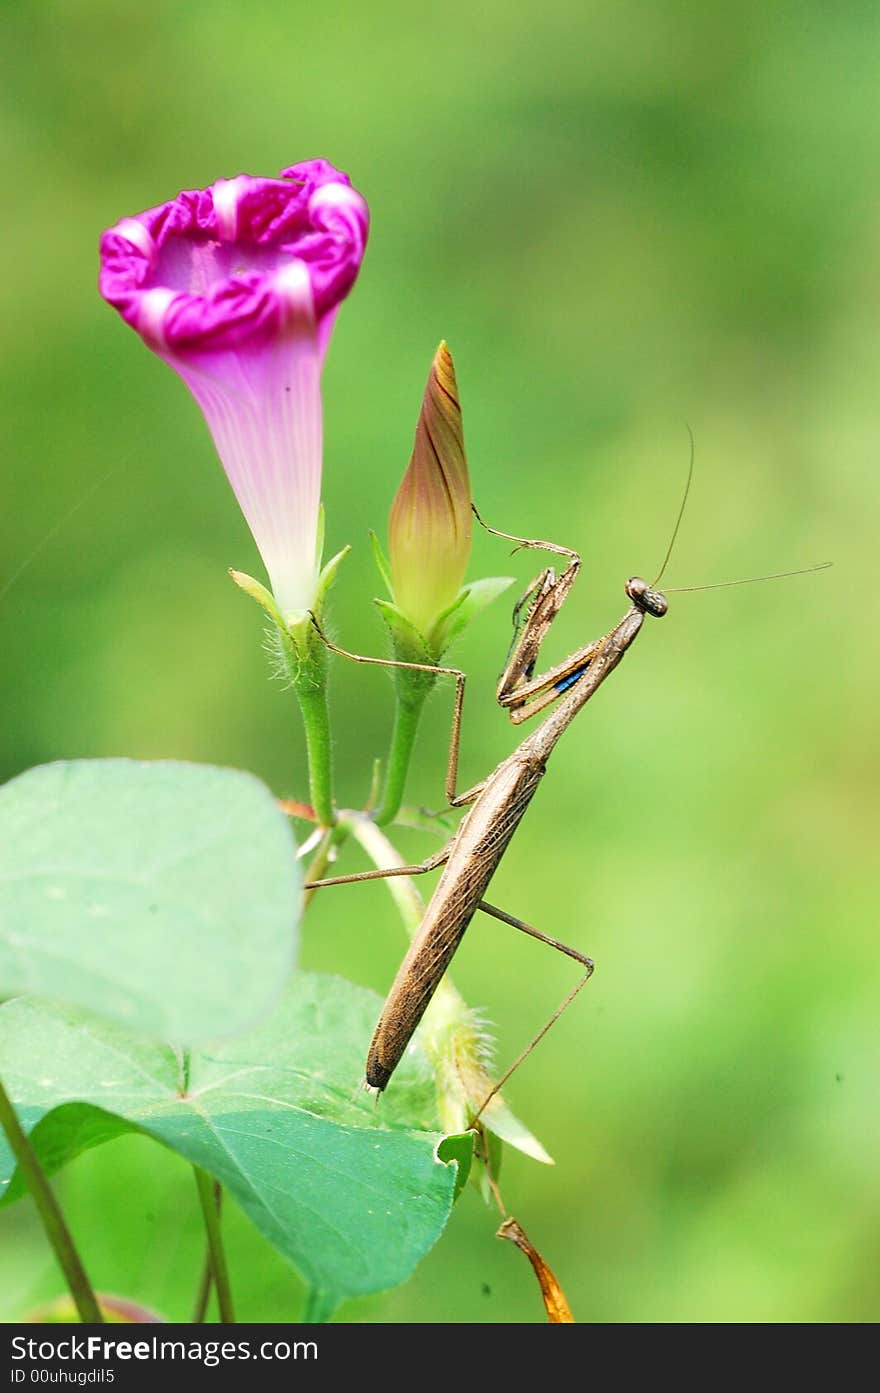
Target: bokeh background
<point x="624" y="219"/>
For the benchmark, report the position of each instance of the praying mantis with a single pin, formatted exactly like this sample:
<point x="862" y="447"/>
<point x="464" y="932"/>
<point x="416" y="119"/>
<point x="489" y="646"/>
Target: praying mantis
<point x="498" y="803"/>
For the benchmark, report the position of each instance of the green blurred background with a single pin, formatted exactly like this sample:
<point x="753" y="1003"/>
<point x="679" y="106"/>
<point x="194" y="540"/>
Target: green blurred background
<point x="624" y="219"/>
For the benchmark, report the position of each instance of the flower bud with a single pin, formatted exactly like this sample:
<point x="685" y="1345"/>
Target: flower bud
<point x="429" y="530"/>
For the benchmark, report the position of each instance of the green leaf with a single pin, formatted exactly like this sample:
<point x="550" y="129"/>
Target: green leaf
<point x="474" y="598"/>
<point x="458" y="1147"/>
<point x="351" y="1193"/>
<point x="162" y="896"/>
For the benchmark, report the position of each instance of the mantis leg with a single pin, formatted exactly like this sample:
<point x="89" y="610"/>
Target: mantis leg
<point x="430" y="864"/>
<point x="534" y="696"/>
<point x="530" y="542"/>
<point x="586" y="963"/>
<point x="455" y="800"/>
<point x="519" y="691"/>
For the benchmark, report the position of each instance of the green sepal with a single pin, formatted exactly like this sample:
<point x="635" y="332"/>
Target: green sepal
<point x="326" y="579"/>
<point x="266" y="599"/>
<point x="458" y="1147"/>
<point x="409" y="646"/>
<point x="499" y="1120"/>
<point x="299" y="656"/>
<point x="320" y="534"/>
<point x="260" y="593"/>
<point x="382" y="563"/>
<point x="302" y="657"/>
<point x="437" y="640"/>
<point x="302" y="654"/>
<point x="469" y="602"/>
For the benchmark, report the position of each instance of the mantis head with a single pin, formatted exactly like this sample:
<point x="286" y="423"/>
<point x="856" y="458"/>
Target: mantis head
<point x="644" y="598"/>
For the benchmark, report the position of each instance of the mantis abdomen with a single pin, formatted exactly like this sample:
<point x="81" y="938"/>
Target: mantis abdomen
<point x="479" y="845"/>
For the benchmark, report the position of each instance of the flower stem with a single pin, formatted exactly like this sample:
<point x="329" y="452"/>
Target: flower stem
<point x="316" y="720"/>
<point x="53" y="1220"/>
<point x="211" y="1214"/>
<point x="304" y="659"/>
<point x="407" y="714"/>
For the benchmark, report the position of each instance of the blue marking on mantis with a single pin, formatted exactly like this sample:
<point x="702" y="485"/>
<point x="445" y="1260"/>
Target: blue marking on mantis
<point x="565" y="682"/>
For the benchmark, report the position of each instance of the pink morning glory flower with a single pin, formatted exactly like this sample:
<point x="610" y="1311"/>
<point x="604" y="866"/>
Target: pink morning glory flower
<point x="237" y="287"/>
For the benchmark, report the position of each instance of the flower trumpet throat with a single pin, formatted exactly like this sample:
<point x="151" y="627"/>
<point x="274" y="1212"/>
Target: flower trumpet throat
<point x="429" y="530"/>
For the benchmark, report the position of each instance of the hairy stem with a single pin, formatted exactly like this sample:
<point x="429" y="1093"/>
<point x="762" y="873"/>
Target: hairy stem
<point x="49" y="1210"/>
<point x="303" y="658"/>
<point x="316" y="720"/>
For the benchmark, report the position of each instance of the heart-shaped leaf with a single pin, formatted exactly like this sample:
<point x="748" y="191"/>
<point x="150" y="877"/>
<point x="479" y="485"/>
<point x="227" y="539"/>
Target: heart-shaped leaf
<point x="162" y="896"/>
<point x="352" y="1193"/>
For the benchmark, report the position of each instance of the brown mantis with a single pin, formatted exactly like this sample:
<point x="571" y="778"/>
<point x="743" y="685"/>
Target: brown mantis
<point x="498" y="803"/>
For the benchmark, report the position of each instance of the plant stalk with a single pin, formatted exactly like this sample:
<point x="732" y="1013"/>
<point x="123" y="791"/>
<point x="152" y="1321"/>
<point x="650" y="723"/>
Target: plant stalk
<point x="211" y="1213"/>
<point x="316" y="721"/>
<point x="407" y="715"/>
<point x="203" y="1295"/>
<point x="50" y="1213"/>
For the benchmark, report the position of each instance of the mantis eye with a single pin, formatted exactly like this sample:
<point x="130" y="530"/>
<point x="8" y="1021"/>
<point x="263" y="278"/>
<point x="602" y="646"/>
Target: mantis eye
<point x="655" y="603"/>
<point x="644" y="598"/>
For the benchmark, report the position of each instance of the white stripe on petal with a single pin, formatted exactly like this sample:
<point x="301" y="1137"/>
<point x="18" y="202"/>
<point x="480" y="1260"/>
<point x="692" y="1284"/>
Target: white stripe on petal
<point x="135" y="232"/>
<point x="337" y="196"/>
<point x="294" y="286"/>
<point x="152" y="308"/>
<point x="225" y="195"/>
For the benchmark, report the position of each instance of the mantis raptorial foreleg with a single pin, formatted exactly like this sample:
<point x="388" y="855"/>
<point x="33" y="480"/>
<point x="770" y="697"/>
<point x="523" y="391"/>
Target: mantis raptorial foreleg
<point x="521" y="693"/>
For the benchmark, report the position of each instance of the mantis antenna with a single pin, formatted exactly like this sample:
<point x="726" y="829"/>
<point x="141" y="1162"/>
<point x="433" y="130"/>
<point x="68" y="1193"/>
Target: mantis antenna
<point x="684" y="499"/>
<point x="721" y="584"/>
<point x="749" y="580"/>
